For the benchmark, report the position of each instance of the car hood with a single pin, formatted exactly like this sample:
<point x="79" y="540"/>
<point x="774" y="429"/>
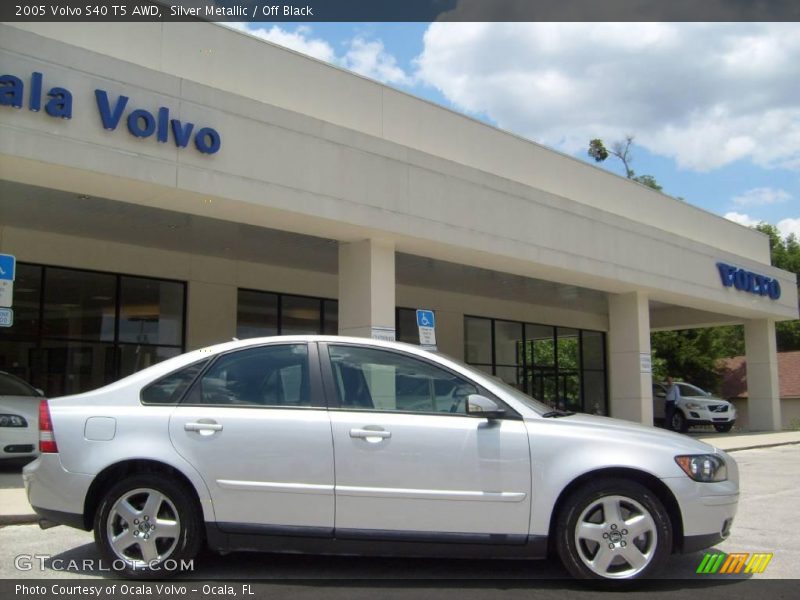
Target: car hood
<point x="603" y="428"/>
<point x="704" y="400"/>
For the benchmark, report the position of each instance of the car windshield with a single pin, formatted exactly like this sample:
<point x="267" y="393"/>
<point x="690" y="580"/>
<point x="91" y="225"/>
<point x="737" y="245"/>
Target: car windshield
<point x="688" y="389"/>
<point x="11" y="385"/>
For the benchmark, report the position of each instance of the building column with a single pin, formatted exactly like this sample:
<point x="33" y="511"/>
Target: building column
<point x="631" y="387"/>
<point x="763" y="390"/>
<point x="367" y="289"/>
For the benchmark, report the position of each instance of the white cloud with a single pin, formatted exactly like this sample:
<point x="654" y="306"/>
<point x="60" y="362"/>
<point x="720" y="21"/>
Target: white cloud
<point x="705" y="94"/>
<point x="789" y="226"/>
<point x="742" y="219"/>
<point x="366" y="57"/>
<point x="369" y="58"/>
<point x="761" y="196"/>
<point x="299" y="40"/>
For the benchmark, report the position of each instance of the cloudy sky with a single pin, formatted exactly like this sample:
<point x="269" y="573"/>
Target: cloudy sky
<point x="714" y="108"/>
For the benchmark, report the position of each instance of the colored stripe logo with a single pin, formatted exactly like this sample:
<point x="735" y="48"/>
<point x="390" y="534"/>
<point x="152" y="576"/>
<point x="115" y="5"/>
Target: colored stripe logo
<point x="734" y="563"/>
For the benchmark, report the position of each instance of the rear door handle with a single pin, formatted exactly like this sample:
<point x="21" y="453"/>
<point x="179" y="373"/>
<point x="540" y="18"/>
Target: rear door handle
<point x="371" y="435"/>
<point x="205" y="428"/>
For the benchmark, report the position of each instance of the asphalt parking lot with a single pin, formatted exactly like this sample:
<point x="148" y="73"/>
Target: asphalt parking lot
<point x="766" y="522"/>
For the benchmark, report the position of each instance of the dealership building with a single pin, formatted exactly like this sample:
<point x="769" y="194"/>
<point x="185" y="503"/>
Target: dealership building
<point x="166" y="186"/>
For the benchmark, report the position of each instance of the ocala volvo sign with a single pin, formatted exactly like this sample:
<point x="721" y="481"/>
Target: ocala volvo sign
<point x="57" y="102"/>
<point x="747" y="281"/>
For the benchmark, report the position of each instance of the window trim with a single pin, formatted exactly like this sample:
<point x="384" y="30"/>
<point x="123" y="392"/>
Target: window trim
<point x="334" y="403"/>
<point x="208" y="360"/>
<point x="315" y="387"/>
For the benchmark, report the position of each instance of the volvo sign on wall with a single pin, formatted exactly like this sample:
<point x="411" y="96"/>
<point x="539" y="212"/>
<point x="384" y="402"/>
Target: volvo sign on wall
<point x="141" y="123"/>
<point x="747" y="281"/>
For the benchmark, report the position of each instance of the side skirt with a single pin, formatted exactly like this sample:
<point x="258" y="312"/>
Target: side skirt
<point x="234" y="537"/>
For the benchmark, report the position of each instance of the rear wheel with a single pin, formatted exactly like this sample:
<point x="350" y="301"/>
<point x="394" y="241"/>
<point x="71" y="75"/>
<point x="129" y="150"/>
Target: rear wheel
<point x="613" y="529"/>
<point x="146" y="525"/>
<point x="679" y="422"/>
<point x="723" y="427"/>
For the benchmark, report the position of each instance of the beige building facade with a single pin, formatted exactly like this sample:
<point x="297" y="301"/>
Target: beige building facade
<point x="304" y="198"/>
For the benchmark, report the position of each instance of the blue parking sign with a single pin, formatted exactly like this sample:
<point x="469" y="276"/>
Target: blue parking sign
<point x="425" y="318"/>
<point x="8" y="265"/>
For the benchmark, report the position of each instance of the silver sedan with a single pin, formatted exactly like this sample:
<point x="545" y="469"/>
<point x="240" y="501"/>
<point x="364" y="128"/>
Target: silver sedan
<point x="346" y="445"/>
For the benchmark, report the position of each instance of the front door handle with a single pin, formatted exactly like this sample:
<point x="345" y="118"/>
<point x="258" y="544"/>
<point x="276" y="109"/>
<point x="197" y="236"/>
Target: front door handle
<point x="205" y="427"/>
<point x="370" y="435"/>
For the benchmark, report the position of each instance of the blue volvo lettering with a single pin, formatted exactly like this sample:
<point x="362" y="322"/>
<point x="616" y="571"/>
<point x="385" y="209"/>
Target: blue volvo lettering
<point x="747" y="281"/>
<point x="143" y="124"/>
<point x="59" y="103"/>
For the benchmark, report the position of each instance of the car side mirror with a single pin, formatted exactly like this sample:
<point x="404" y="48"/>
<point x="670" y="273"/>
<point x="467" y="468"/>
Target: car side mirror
<point x="481" y="406"/>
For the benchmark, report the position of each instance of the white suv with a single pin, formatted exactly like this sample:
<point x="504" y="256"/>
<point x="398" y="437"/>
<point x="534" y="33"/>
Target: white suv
<point x="694" y="407"/>
<point x="344" y="445"/>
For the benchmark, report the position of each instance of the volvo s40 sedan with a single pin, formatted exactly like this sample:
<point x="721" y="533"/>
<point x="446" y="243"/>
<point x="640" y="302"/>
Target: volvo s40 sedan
<point x="344" y="445"/>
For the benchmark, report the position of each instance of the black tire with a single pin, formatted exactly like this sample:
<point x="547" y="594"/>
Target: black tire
<point x="179" y="512"/>
<point x="723" y="427"/>
<point x="679" y="422"/>
<point x="575" y="554"/>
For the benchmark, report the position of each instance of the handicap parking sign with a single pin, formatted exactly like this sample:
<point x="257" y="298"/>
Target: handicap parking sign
<point x="425" y="318"/>
<point x="426" y="323"/>
<point x="8" y="264"/>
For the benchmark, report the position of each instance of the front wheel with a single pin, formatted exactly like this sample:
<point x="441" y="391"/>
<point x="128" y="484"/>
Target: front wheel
<point x="148" y="526"/>
<point x="723" y="427"/>
<point x="613" y="529"/>
<point x="679" y="422"/>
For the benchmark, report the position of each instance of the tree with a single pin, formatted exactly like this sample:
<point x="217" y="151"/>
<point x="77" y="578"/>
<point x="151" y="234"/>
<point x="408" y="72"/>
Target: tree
<point x="622" y="150"/>
<point x="785" y="254"/>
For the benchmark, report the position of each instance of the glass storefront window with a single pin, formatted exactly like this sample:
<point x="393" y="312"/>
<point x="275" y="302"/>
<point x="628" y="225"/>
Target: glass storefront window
<point x="561" y="366"/>
<point x="27" y="299"/>
<point x="151" y="311"/>
<point x="261" y="314"/>
<point x="508" y="343"/>
<point x="406" y="329"/>
<point x="541" y="345"/>
<point x="478" y="341"/>
<point x="77" y="330"/>
<point x="300" y="315"/>
<point x="330" y="320"/>
<point x="593" y="350"/>
<point x="79" y="304"/>
<point x="256" y="314"/>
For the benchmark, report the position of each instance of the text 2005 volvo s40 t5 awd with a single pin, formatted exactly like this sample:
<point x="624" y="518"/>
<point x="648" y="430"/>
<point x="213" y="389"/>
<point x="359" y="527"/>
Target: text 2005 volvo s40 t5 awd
<point x="343" y="445"/>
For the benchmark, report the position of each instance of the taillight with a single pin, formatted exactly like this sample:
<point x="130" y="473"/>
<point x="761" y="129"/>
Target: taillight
<point x="47" y="438"/>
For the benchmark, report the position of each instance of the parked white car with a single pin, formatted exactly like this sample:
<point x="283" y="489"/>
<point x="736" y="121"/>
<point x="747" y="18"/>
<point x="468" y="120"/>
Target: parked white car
<point x="19" y="417"/>
<point x="694" y="406"/>
<point x="346" y="445"/>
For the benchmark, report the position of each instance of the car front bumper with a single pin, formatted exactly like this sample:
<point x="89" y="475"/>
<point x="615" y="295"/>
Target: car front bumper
<point x="707" y="510"/>
<point x="703" y="416"/>
<point x="54" y="493"/>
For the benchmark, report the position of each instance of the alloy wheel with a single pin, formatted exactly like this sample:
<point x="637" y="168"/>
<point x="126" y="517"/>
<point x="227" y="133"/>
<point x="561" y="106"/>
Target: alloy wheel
<point x="143" y="527"/>
<point x="616" y="537"/>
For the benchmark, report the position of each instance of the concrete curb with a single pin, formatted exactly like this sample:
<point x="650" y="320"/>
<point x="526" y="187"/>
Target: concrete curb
<point x="762" y="446"/>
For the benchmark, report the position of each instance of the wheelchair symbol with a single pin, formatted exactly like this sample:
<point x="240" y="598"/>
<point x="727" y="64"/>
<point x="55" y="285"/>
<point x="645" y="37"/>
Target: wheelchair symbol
<point x="423" y="320"/>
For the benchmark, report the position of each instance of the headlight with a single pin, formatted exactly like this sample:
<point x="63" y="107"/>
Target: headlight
<point x="12" y="421"/>
<point x="692" y="406"/>
<point x="703" y="467"/>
